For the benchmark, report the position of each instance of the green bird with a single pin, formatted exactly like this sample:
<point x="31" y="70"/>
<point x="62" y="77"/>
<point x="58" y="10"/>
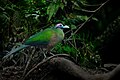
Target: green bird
<point x="47" y="38"/>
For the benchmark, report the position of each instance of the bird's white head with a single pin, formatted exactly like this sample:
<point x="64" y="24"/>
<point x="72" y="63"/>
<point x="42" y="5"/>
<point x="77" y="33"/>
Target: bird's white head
<point x="60" y="25"/>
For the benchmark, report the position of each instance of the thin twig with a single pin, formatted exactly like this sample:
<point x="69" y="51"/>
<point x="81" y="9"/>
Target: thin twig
<point x="1" y="78"/>
<point x="73" y="46"/>
<point x="28" y="62"/>
<point x="42" y="78"/>
<point x="93" y="5"/>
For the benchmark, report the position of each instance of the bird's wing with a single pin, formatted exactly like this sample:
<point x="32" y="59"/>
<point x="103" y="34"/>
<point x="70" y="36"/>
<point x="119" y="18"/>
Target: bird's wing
<point x="41" y="38"/>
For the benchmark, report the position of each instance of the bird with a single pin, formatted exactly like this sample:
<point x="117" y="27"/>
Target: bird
<point x="47" y="38"/>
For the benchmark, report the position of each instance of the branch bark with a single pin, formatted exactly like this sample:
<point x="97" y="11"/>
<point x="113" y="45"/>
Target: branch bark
<point x="64" y="69"/>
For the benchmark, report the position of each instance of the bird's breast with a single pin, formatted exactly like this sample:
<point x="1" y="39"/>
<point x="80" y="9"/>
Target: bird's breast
<point x="60" y="34"/>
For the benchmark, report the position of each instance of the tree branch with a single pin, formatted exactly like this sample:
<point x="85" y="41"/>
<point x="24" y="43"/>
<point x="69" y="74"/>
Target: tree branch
<point x="81" y="25"/>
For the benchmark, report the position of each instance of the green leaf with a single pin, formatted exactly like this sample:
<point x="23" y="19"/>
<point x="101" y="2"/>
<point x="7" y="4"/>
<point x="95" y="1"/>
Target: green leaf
<point x="83" y="18"/>
<point x="95" y="19"/>
<point x="73" y="27"/>
<point x="76" y="6"/>
<point x="62" y="6"/>
<point x="67" y="49"/>
<point x="52" y="9"/>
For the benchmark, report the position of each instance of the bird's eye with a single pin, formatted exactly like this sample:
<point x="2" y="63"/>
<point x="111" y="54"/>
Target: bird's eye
<point x="60" y="25"/>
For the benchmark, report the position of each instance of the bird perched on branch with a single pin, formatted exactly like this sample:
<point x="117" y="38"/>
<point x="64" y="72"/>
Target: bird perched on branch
<point x="47" y="38"/>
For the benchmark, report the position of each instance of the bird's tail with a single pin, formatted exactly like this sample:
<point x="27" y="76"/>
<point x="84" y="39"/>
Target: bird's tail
<point x="14" y="51"/>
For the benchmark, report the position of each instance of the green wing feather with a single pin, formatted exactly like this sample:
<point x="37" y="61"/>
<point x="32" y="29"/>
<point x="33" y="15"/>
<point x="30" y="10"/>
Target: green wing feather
<point x="41" y="38"/>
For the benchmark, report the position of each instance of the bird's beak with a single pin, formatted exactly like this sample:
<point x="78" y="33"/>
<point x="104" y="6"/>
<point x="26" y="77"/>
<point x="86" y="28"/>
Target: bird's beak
<point x="66" y="26"/>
